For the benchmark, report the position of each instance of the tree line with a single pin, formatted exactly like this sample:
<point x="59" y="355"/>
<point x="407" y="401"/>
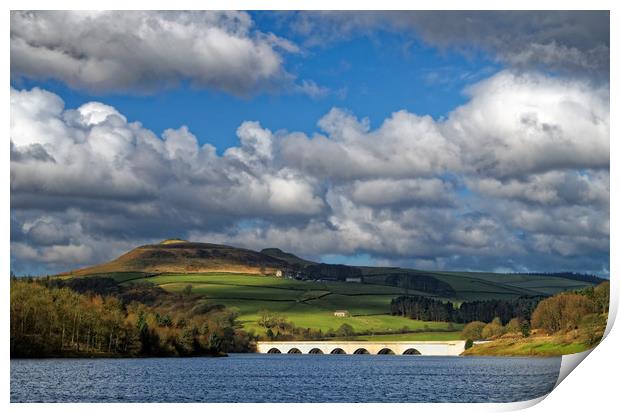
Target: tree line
<point x="567" y="311"/>
<point x="337" y="272"/>
<point x="420" y="282"/>
<point x="431" y="309"/>
<point x="589" y="278"/>
<point x="583" y="311"/>
<point x="48" y="318"/>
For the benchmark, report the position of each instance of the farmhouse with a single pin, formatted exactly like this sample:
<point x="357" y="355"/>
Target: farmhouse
<point x="341" y="313"/>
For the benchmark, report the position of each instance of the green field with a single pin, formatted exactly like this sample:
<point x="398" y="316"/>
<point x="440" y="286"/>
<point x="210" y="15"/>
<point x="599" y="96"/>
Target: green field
<point x="471" y="286"/>
<point x="535" y="346"/>
<point x="306" y="304"/>
<point x="311" y="304"/>
<point x="423" y="336"/>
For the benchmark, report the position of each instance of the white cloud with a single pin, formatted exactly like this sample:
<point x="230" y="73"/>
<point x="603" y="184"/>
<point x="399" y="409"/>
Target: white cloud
<point x="549" y="188"/>
<point x="406" y="145"/>
<point x="256" y="144"/>
<point x="99" y="155"/>
<point x="390" y="192"/>
<point x="520" y="124"/>
<point x="145" y="51"/>
<point x="513" y="125"/>
<point x="312" y="89"/>
<point x="54" y="254"/>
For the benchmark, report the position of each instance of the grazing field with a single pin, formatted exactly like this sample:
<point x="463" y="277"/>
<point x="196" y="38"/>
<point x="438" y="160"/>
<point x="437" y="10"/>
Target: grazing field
<point x="423" y="336"/>
<point x="471" y="286"/>
<point x="306" y="304"/>
<point x="534" y="346"/>
<point x="311" y="304"/>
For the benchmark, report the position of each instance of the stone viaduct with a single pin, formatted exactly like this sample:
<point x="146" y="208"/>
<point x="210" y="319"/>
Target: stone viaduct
<point x="424" y="348"/>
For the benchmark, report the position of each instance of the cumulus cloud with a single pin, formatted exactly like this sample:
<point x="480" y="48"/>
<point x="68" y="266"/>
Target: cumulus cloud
<point x="406" y="145"/>
<point x="518" y="177"/>
<point x="387" y="234"/>
<point x="551" y="188"/>
<point x="381" y="192"/>
<point x="519" y="124"/>
<point x="514" y="124"/>
<point x="145" y="51"/>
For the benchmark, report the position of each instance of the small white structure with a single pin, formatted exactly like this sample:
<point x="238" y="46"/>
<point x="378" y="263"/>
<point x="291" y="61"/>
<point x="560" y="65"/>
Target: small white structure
<point x="341" y="313"/>
<point x="353" y="279"/>
<point x="278" y="273"/>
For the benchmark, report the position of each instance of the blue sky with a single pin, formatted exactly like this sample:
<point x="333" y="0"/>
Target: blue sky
<point x="439" y="140"/>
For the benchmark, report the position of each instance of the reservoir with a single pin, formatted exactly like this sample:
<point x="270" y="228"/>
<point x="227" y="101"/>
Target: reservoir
<point x="284" y="378"/>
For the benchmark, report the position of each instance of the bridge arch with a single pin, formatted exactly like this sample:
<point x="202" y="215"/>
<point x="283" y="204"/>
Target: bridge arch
<point x="361" y="350"/>
<point x="338" y="350"/>
<point x="274" y="351"/>
<point x="294" y="350"/>
<point x="315" y="351"/>
<point x="411" y="352"/>
<point x="386" y="351"/>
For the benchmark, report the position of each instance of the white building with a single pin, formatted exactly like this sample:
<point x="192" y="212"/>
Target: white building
<point x="353" y="279"/>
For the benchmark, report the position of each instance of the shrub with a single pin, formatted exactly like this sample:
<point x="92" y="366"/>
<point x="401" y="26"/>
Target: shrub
<point x="601" y="297"/>
<point x="513" y="326"/>
<point x="492" y="329"/>
<point x="473" y="330"/>
<point x="345" y="330"/>
<point x="525" y="328"/>
<point x="469" y="343"/>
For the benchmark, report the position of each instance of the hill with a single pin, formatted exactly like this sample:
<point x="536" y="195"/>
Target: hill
<point x="307" y="293"/>
<point x="286" y="256"/>
<point x="187" y="257"/>
<point x="183" y="257"/>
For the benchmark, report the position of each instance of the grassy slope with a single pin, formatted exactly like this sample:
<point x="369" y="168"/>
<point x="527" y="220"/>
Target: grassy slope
<point x="307" y="304"/>
<point x="423" y="336"/>
<point x="471" y="286"/>
<point x="534" y="346"/>
<point x="311" y="304"/>
<point x="589" y="332"/>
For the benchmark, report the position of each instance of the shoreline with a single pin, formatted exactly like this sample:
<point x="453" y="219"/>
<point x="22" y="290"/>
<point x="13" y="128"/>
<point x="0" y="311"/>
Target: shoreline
<point x="116" y="356"/>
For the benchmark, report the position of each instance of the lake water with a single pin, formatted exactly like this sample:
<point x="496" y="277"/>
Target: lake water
<point x="284" y="378"/>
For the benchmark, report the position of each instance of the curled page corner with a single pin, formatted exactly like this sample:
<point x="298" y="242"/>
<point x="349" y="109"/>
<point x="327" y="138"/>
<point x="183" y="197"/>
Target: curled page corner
<point x="569" y="362"/>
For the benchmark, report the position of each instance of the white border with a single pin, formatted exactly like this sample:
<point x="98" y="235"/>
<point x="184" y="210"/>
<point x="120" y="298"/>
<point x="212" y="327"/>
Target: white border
<point x="591" y="387"/>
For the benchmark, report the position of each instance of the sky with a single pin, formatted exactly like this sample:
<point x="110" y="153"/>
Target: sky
<point x="435" y="140"/>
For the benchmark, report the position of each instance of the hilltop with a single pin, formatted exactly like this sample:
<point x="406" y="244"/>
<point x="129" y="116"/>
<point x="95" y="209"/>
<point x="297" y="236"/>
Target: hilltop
<point x="286" y="256"/>
<point x="177" y="255"/>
